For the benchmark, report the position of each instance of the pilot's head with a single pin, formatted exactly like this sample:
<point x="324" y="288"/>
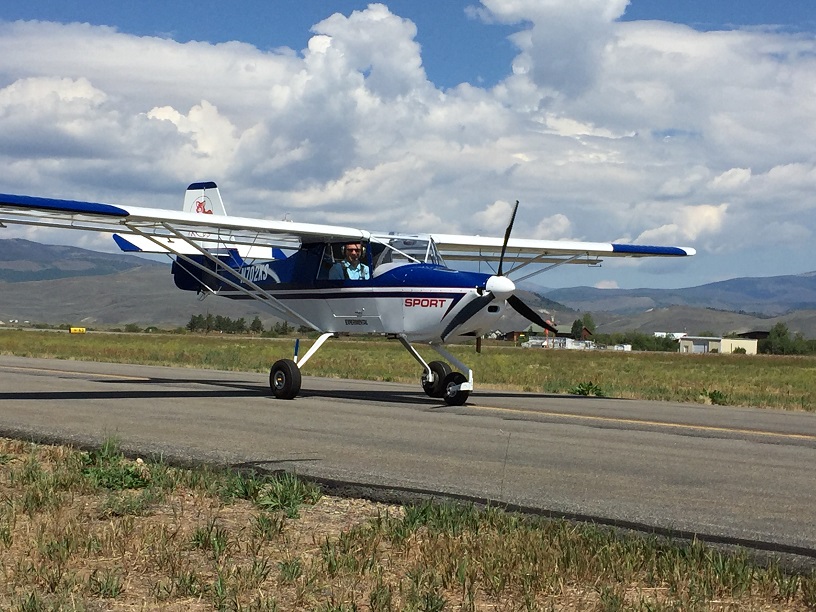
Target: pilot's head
<point x="352" y="251"/>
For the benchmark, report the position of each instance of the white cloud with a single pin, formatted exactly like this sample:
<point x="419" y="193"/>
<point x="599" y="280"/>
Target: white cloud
<point x="602" y="129"/>
<point x="555" y="227"/>
<point x="690" y="223"/>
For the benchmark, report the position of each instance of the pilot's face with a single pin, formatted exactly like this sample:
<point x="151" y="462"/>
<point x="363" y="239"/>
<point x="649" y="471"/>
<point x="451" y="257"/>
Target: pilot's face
<point x="353" y="252"/>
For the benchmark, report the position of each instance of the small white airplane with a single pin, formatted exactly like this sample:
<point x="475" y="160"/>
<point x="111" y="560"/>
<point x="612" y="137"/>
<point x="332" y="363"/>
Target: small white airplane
<point x="390" y="284"/>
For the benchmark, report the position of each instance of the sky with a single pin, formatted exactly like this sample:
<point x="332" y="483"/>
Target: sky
<point x="686" y="122"/>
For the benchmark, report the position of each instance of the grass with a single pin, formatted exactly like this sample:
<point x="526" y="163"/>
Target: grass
<point x="210" y="540"/>
<point x="768" y="381"/>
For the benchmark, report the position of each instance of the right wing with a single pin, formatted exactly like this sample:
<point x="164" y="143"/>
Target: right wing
<point x="162" y="230"/>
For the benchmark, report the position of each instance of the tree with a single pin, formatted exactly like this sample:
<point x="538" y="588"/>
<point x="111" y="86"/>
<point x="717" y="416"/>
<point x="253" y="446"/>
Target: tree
<point x="589" y="322"/>
<point x="256" y="327"/>
<point x="779" y="342"/>
<point x="196" y="323"/>
<point x="577" y="329"/>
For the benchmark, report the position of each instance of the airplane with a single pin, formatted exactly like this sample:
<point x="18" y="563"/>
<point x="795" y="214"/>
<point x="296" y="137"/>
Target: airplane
<point x="410" y="292"/>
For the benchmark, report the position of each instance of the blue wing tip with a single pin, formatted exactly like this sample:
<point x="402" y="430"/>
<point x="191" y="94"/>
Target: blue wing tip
<point x="63" y="206"/>
<point x="644" y="249"/>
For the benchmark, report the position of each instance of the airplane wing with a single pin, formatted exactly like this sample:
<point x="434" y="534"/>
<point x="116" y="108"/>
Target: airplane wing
<point x="169" y="231"/>
<point x="161" y="230"/>
<point x="522" y="252"/>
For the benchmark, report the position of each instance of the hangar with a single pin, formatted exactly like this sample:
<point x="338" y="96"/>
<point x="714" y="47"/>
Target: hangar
<point x="708" y="344"/>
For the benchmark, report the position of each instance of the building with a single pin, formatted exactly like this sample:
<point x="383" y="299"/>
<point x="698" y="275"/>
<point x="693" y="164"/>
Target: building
<point x="705" y="344"/>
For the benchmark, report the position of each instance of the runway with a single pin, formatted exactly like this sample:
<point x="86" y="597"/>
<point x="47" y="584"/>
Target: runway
<point x="739" y="475"/>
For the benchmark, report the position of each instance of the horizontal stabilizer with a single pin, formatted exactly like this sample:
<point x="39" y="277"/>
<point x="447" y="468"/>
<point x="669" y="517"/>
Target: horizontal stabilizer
<point x="175" y="246"/>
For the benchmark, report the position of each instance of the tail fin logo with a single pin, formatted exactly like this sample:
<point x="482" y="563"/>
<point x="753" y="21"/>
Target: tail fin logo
<point x="203" y="206"/>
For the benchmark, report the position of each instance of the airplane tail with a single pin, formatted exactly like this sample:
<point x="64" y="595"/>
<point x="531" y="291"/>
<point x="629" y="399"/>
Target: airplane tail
<point x="204" y="199"/>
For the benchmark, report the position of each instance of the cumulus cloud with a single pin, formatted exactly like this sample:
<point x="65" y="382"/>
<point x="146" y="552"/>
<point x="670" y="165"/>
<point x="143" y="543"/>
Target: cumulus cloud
<point x="638" y="131"/>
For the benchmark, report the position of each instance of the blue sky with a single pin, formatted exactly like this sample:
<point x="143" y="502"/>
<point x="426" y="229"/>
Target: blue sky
<point x="456" y="48"/>
<point x="673" y="122"/>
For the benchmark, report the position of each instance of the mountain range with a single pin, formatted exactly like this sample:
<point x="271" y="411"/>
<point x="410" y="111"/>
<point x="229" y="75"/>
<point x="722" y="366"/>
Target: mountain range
<point x="60" y="284"/>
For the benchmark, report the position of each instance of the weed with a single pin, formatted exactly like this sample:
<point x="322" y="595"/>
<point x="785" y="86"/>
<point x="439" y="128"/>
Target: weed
<point x="290" y="569"/>
<point x="715" y="397"/>
<point x="107" y="468"/>
<point x="105" y="583"/>
<point x="587" y="389"/>
<point x="212" y="537"/>
<point x="131" y="503"/>
<point x="381" y="597"/>
<point x="268" y="526"/>
<point x="287" y="492"/>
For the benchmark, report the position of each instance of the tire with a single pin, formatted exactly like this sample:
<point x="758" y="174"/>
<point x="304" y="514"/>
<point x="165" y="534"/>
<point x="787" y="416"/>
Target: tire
<point x="455" y="398"/>
<point x="437" y="387"/>
<point x="284" y="379"/>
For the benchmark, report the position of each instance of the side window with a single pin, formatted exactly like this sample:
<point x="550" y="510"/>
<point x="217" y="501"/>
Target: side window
<point x="337" y="264"/>
<point x="331" y="255"/>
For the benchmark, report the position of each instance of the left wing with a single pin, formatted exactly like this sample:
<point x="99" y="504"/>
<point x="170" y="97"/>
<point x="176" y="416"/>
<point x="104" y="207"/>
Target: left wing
<point x="522" y="252"/>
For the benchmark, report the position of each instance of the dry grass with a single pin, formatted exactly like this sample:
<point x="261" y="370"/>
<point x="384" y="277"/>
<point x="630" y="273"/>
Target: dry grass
<point x="94" y="531"/>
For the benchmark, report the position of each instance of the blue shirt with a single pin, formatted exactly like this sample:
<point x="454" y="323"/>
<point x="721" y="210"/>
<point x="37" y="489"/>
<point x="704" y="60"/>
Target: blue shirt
<point x="343" y="269"/>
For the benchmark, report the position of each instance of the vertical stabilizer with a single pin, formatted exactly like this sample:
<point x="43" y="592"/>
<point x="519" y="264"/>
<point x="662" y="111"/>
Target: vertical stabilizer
<point x="204" y="199"/>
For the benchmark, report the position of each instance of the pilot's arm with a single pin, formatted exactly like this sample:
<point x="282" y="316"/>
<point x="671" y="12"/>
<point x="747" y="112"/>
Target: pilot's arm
<point x="336" y="272"/>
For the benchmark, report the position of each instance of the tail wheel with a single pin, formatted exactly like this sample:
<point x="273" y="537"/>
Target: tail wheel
<point x="440" y="371"/>
<point x="284" y="379"/>
<point x="453" y="395"/>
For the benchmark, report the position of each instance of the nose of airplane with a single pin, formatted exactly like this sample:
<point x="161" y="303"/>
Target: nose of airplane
<point x="500" y="286"/>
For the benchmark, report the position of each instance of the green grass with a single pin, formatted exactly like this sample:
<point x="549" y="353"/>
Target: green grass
<point x="739" y="380"/>
<point x="205" y="546"/>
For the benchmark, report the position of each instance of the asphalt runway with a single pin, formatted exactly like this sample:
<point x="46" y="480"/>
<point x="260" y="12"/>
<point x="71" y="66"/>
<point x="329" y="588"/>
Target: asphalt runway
<point x="734" y="475"/>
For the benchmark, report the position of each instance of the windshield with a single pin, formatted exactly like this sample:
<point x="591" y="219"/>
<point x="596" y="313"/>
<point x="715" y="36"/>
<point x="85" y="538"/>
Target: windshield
<point x="405" y="250"/>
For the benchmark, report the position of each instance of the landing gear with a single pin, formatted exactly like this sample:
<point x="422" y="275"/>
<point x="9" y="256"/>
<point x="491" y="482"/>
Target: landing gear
<point x="453" y="387"/>
<point x="454" y="394"/>
<point x="436" y="388"/>
<point x="284" y="379"/>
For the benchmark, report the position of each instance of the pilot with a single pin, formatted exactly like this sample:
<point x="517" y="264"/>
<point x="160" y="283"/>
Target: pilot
<point x="351" y="267"/>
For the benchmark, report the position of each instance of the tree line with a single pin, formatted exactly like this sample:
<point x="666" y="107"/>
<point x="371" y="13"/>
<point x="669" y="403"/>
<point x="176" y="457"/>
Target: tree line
<point x="217" y="323"/>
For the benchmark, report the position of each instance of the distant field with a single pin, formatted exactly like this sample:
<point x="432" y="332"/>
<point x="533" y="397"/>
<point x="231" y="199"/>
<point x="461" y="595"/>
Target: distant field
<point x="738" y="380"/>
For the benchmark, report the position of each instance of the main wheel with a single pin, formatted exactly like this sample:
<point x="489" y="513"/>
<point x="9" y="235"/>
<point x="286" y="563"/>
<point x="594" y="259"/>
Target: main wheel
<point x="440" y="371"/>
<point x="284" y="379"/>
<point x="453" y="396"/>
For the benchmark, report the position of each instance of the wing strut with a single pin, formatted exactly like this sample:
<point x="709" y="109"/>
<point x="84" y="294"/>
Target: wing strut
<point x="258" y="294"/>
<point x="550" y="267"/>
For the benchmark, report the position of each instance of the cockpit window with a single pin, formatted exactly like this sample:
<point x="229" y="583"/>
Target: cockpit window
<point x="409" y="250"/>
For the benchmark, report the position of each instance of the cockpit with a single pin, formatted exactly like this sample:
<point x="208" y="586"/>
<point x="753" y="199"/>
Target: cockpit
<point x="382" y="253"/>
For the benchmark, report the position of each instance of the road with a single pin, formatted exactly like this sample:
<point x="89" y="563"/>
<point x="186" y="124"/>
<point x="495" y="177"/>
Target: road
<point x="740" y="475"/>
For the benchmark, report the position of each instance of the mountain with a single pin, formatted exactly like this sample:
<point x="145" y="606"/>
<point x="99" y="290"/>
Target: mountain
<point x="144" y="295"/>
<point x="696" y="321"/>
<point x="23" y="261"/>
<point x="93" y="289"/>
<point x="765" y="296"/>
<point x="58" y="284"/>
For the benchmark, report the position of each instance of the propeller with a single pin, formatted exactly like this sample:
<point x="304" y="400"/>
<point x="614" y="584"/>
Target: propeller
<point x="528" y="313"/>
<point x="497" y="287"/>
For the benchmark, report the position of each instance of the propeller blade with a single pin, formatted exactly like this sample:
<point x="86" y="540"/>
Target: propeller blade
<point x="507" y="237"/>
<point x="466" y="313"/>
<point x="530" y="314"/>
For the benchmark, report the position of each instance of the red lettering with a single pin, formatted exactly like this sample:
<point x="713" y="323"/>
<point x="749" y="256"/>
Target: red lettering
<point x="424" y="302"/>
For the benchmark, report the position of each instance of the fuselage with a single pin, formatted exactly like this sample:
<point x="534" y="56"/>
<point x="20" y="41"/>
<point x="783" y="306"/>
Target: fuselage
<point x="404" y="298"/>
